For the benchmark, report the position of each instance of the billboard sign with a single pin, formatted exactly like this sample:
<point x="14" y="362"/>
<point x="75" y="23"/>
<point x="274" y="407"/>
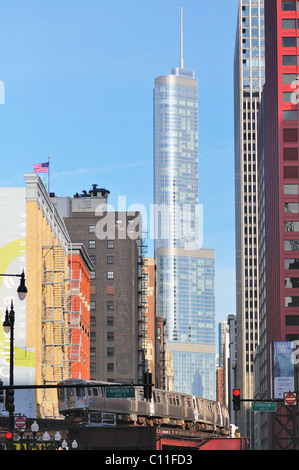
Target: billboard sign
<point x="283" y="368"/>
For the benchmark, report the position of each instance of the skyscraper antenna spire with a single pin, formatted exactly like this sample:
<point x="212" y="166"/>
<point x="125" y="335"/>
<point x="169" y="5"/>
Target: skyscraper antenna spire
<point x="181" y="57"/>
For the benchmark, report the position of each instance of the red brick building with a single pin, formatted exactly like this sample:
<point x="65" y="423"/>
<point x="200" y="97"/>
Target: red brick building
<point x="278" y="203"/>
<point x="80" y="267"/>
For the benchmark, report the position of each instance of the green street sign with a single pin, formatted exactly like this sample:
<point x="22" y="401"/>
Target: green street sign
<point x="263" y="406"/>
<point x="120" y="392"/>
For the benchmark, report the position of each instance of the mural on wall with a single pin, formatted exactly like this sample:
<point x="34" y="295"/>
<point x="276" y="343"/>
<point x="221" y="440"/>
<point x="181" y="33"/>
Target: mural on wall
<point x="13" y="261"/>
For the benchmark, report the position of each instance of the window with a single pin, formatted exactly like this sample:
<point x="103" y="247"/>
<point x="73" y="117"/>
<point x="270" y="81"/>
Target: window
<point x="92" y="275"/>
<point x="92" y="336"/>
<point x="290" y="115"/>
<point x="91" y="244"/>
<point x="292" y="282"/>
<point x="288" y="23"/>
<point x="289" y="60"/>
<point x="291" y="207"/>
<point x="110" y="352"/>
<point x="292" y="320"/>
<point x="291" y="263"/>
<point x="110" y="274"/>
<point x="92" y="305"/>
<point x="291" y="226"/>
<point x="110" y="305"/>
<point x="91" y="228"/>
<point x="289" y="42"/>
<point x="110" y="367"/>
<point x="288" y="78"/>
<point x="290" y="189"/>
<point x="288" y="6"/>
<point x="110" y="259"/>
<point x="290" y="154"/>
<point x="291" y="245"/>
<point x="92" y="259"/>
<point x="110" y="243"/>
<point x="290" y="172"/>
<point x="110" y="336"/>
<point x="110" y="321"/>
<point x="287" y="96"/>
<point x="290" y="135"/>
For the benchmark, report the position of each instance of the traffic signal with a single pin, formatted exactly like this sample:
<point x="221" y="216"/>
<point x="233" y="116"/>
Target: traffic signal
<point x="236" y="399"/>
<point x="9" y="440"/>
<point x="9" y="400"/>
<point x="147" y="385"/>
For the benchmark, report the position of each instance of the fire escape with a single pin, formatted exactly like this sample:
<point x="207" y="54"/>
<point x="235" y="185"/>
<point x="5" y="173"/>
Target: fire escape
<point x="54" y="366"/>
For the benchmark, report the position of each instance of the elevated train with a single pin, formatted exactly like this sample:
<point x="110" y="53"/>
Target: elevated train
<point x="166" y="408"/>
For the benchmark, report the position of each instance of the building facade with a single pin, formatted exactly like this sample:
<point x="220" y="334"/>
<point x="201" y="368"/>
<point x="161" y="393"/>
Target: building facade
<point x="113" y="243"/>
<point x="80" y="268"/>
<point x="149" y="315"/>
<point x="48" y="289"/>
<point x="185" y="272"/>
<point x="279" y="203"/>
<point x="249" y="78"/>
<point x="36" y="241"/>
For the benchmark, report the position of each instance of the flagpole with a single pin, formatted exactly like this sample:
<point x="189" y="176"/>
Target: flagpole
<point x="49" y="176"/>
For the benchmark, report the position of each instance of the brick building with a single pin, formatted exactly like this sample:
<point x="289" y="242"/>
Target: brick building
<point x="113" y="243"/>
<point x="80" y="267"/>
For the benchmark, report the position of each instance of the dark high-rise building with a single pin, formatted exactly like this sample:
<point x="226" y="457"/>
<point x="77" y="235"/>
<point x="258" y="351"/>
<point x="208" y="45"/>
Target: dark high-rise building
<point x="113" y="243"/>
<point x="249" y="77"/>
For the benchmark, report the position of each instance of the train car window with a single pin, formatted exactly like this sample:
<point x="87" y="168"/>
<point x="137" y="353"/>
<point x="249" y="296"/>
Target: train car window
<point x="178" y="401"/>
<point x="95" y="392"/>
<point x="80" y="391"/>
<point x="60" y="393"/>
<point x="89" y="391"/>
<point x="157" y="398"/>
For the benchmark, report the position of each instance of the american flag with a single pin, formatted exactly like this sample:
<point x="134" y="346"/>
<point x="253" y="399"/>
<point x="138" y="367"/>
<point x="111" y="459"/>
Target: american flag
<point x="41" y="167"/>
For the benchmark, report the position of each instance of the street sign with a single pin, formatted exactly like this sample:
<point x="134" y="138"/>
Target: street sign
<point x="20" y="423"/>
<point x="120" y="392"/>
<point x="263" y="406"/>
<point x="290" y="398"/>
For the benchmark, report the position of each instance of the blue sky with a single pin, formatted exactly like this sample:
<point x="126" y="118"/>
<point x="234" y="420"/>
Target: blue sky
<point x="79" y="78"/>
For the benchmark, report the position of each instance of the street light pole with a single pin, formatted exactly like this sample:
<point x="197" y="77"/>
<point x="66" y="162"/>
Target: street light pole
<point x="8" y="325"/>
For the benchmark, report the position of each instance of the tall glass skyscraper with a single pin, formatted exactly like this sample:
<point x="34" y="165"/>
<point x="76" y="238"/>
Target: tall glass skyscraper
<point x="185" y="271"/>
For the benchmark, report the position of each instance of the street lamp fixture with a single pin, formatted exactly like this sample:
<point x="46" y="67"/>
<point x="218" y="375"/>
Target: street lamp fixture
<point x="34" y="428"/>
<point x="9" y="320"/>
<point x="22" y="289"/>
<point x="74" y="444"/>
<point x="46" y="436"/>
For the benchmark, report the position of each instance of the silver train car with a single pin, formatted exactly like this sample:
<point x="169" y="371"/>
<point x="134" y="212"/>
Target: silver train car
<point x="164" y="409"/>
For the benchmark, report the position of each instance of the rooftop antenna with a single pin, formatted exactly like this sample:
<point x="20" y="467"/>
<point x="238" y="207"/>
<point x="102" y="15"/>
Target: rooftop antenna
<point x="181" y="58"/>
